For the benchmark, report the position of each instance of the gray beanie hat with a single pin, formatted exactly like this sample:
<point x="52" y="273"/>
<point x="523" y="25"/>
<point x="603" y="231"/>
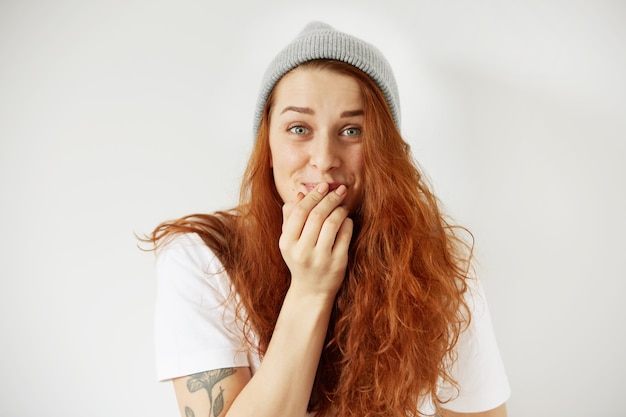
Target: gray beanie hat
<point x="321" y="41"/>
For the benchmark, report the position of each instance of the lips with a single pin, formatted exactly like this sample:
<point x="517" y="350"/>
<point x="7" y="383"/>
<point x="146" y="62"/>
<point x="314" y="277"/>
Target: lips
<point x="311" y="185"/>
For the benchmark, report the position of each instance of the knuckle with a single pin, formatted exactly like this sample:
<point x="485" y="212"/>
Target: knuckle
<point x="297" y="252"/>
<point x="345" y="210"/>
<point x="334" y="197"/>
<point x="299" y="210"/>
<point x="340" y="213"/>
<point x="334" y="221"/>
<point x="317" y="215"/>
<point x="315" y="196"/>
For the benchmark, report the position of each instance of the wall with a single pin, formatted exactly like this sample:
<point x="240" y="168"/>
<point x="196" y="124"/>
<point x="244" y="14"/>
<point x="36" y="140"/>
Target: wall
<point x="117" y="115"/>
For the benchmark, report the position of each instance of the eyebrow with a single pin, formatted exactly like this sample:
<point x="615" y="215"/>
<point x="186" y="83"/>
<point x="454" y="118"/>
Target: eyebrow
<point x="352" y="113"/>
<point x="308" y="110"/>
<point x="305" y="110"/>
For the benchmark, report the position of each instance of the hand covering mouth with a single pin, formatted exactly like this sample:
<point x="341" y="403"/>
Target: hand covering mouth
<point x="311" y="185"/>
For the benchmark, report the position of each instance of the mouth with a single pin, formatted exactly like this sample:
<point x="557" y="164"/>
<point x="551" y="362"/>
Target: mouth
<point x="311" y="185"/>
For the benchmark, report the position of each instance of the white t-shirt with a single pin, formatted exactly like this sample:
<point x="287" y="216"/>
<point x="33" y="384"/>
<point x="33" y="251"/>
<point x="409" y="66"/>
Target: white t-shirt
<point x="195" y="331"/>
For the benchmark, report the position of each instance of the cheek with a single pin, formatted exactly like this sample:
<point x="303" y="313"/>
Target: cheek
<point x="285" y="167"/>
<point x="288" y="159"/>
<point x="356" y="163"/>
<point x="280" y="163"/>
<point x="357" y="170"/>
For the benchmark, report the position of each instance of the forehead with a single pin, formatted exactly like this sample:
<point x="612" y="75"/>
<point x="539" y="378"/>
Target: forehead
<point x="311" y="86"/>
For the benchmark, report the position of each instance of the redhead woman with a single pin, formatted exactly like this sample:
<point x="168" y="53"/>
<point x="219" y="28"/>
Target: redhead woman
<point x="336" y="287"/>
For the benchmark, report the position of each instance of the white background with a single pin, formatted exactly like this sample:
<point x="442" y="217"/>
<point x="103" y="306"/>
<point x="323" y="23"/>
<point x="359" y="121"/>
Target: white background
<point x="117" y="115"/>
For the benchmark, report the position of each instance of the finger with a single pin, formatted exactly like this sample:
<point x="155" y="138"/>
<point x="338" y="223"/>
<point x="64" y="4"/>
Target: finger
<point x="330" y="229"/>
<point x="320" y="213"/>
<point x="299" y="213"/>
<point x="315" y="196"/>
<point x="288" y="207"/>
<point x="344" y="237"/>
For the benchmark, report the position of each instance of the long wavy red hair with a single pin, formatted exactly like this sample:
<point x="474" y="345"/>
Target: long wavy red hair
<point x="400" y="309"/>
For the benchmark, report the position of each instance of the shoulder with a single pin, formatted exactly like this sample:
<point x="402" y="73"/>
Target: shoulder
<point x="187" y="266"/>
<point x="195" y="321"/>
<point x="187" y="247"/>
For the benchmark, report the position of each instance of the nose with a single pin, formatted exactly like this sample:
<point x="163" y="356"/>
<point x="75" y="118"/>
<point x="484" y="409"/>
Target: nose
<point x="324" y="153"/>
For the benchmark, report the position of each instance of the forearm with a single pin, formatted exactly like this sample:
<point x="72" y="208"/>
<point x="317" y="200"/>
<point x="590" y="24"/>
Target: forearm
<point x="314" y="244"/>
<point x="282" y="384"/>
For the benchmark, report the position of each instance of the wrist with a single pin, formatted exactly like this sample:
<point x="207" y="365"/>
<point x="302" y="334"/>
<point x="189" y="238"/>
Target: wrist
<point x="305" y="295"/>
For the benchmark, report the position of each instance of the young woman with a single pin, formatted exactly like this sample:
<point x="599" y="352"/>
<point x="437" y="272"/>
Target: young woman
<point x="336" y="287"/>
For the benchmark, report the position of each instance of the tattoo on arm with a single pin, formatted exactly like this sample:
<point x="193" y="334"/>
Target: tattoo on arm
<point x="207" y="381"/>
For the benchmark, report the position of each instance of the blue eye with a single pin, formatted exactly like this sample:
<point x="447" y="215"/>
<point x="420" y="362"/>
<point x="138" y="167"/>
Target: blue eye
<point x="352" y="131"/>
<point x="298" y="130"/>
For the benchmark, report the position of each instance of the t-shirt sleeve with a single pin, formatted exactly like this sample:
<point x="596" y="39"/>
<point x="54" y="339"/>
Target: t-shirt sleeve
<point x="194" y="325"/>
<point x="479" y="370"/>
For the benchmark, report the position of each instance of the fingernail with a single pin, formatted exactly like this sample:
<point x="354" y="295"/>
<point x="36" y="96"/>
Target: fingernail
<point x="322" y="187"/>
<point x="341" y="190"/>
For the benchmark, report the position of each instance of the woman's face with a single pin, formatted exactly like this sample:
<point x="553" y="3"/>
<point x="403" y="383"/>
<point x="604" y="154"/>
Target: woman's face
<point x="315" y="134"/>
